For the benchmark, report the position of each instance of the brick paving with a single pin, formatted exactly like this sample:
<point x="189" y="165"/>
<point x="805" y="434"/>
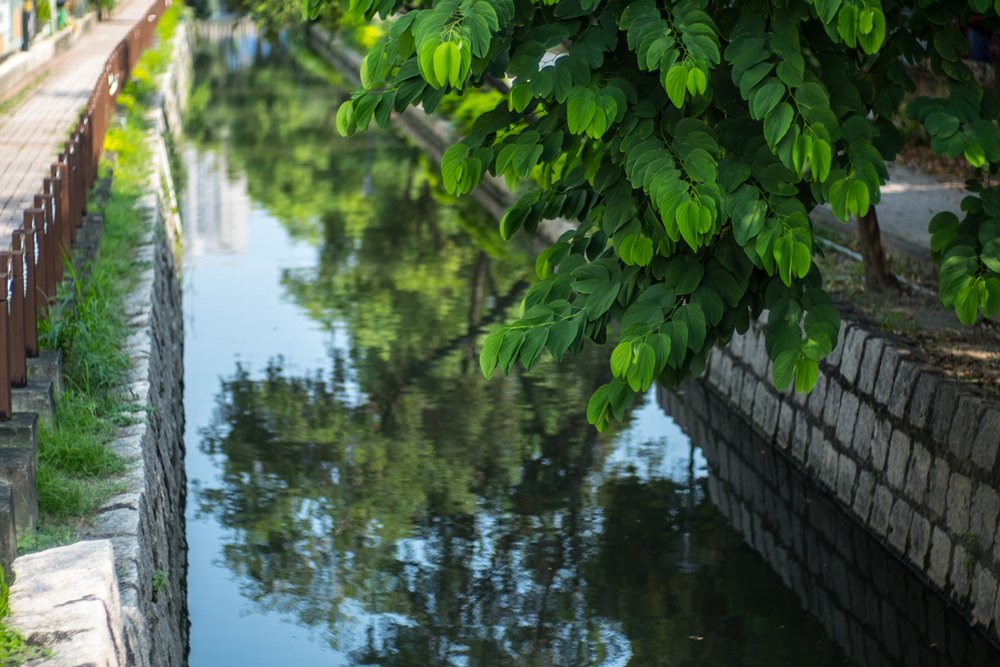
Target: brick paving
<point x="32" y="133"/>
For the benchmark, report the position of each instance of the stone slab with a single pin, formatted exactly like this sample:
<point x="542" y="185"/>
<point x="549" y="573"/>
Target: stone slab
<point x="19" y="470"/>
<point x="48" y="366"/>
<point x="37" y="396"/>
<point x="67" y="599"/>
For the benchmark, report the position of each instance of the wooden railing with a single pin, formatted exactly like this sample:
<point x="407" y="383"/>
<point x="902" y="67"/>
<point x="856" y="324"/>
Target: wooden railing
<point x="33" y="267"/>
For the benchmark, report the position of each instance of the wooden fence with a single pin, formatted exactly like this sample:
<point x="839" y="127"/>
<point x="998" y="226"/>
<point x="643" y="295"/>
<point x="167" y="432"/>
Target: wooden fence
<point x="33" y="267"/>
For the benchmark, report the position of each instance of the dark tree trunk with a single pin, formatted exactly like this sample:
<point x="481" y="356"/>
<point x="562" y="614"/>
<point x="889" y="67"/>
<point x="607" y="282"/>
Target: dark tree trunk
<point x="878" y="276"/>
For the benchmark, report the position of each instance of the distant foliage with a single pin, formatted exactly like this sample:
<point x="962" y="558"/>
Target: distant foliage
<point x="690" y="139"/>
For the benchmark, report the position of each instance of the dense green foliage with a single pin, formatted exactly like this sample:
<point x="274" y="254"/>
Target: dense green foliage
<point x="690" y="139"/>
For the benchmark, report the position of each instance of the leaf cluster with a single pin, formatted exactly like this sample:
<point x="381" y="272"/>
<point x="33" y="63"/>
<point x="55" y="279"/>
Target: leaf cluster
<point x="689" y="139"/>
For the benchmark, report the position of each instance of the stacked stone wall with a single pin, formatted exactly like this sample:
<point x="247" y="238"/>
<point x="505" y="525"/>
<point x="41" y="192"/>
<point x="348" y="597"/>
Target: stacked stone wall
<point x="877" y="608"/>
<point x="907" y="452"/>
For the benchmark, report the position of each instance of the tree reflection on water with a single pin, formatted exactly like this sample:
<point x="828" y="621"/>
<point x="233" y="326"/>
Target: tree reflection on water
<point x="410" y="512"/>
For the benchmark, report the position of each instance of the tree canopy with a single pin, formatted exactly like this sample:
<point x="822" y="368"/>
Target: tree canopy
<point x="689" y="140"/>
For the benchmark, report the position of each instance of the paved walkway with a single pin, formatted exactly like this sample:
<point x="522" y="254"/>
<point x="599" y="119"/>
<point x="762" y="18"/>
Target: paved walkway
<point x="909" y="200"/>
<point x="32" y="133"/>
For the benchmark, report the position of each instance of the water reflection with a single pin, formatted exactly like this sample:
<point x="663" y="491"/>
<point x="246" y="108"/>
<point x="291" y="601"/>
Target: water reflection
<point x="387" y="499"/>
<point x="875" y="607"/>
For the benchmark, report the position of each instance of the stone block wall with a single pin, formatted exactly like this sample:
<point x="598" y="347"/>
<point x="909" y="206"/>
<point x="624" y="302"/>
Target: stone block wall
<point x="909" y="453"/>
<point x="139" y="536"/>
<point x="874" y="606"/>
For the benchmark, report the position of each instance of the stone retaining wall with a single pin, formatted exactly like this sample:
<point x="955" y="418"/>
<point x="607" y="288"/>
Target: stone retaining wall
<point x="909" y="453"/>
<point x="875" y="607"/>
<point x="139" y="615"/>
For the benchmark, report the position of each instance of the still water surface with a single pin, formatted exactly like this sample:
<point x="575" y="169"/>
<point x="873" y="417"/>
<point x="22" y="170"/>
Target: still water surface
<point x="359" y="495"/>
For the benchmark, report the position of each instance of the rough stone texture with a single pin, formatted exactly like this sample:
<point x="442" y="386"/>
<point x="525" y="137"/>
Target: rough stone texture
<point x="923" y="400"/>
<point x="916" y="478"/>
<point x="853" y="349"/>
<point x="940" y="557"/>
<point x="943" y="411"/>
<point x="984" y="450"/>
<point x="964" y="426"/>
<point x="886" y="374"/>
<point x="920" y="539"/>
<point x="906" y="451"/>
<point x="872" y="604"/>
<point x="846" y="475"/>
<point x="8" y="536"/>
<point x="19" y="470"/>
<point x="47" y="366"/>
<point x="902" y="387"/>
<point x="985" y="512"/>
<point x="984" y="594"/>
<point x="899" y="524"/>
<point x="863" y="496"/>
<point x="937" y="490"/>
<point x="845" y="421"/>
<point x="137" y="537"/>
<point x="959" y="493"/>
<point x="899" y="457"/>
<point x="870" y="365"/>
<point x="67" y="599"/>
<point x="36" y="396"/>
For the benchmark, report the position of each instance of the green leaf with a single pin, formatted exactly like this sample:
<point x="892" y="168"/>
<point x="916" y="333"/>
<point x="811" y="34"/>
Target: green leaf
<point x="975" y="154"/>
<point x="784" y="369"/>
<point x="826" y="9"/>
<point x="531" y="350"/>
<point x="801" y="259"/>
<point x="967" y="303"/>
<point x="871" y="40"/>
<point x="806" y="374"/>
<point x="621" y="359"/>
<point x="345" y="119"/>
<point x="766" y="98"/>
<point x="697" y="81"/>
<point x="678" y="333"/>
<point x="561" y="336"/>
<point x="675" y="83"/>
<point x="990" y="255"/>
<point x="490" y="352"/>
<point x="700" y="166"/>
<point x="509" y="348"/>
<point x="820" y="159"/>
<point x="941" y="124"/>
<point x="452" y="159"/>
<point x="991" y="304"/>
<point x="791" y="70"/>
<point x="645" y="365"/>
<point x="597" y="407"/>
<point x="642" y="251"/>
<point x="443" y="56"/>
<point x="599" y="301"/>
<point x="777" y="122"/>
<point x="748" y="214"/>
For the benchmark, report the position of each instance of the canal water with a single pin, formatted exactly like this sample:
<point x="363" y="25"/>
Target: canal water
<point x="359" y="495"/>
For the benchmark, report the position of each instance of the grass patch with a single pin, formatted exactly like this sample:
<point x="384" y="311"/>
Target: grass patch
<point x="77" y="472"/>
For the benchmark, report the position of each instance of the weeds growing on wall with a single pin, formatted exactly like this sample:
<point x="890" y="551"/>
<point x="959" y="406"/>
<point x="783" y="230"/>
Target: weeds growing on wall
<point x="77" y="471"/>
